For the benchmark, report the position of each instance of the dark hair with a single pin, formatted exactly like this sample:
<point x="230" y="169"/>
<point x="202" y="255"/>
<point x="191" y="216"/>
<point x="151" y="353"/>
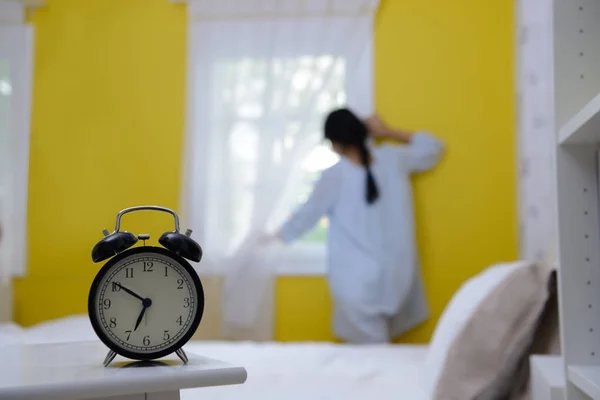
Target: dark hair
<point x="342" y="126"/>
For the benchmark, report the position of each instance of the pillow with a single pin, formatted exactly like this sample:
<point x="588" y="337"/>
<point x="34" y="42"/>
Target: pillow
<point x="485" y="355"/>
<point x="513" y="382"/>
<point x="456" y="314"/>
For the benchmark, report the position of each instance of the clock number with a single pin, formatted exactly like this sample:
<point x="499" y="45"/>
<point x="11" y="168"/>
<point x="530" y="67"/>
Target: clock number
<point x="113" y="322"/>
<point x="166" y="336"/>
<point x="129" y="272"/>
<point x="186" y="302"/>
<point x="107" y="303"/>
<point x="148" y="266"/>
<point x="166" y="271"/>
<point x="180" y="320"/>
<point x="128" y="333"/>
<point x="179" y="283"/>
<point x="116" y="286"/>
<point x="146" y="340"/>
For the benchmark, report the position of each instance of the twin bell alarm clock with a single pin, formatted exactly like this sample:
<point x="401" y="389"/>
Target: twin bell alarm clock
<point x="146" y="301"/>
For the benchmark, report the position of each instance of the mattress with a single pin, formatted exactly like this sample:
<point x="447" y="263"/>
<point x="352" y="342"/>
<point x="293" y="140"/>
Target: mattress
<point x="292" y="371"/>
<point x="317" y="371"/>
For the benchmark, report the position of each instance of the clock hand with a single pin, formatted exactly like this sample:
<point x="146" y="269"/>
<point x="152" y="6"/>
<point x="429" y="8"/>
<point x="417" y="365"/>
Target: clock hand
<point x="145" y="304"/>
<point x="131" y="292"/>
<point x="140" y="318"/>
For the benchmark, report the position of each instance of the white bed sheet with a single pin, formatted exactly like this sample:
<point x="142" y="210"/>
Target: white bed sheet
<point x="316" y="371"/>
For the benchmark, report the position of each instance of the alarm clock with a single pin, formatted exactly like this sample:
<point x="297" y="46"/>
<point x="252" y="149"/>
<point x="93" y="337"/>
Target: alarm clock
<point x="146" y="301"/>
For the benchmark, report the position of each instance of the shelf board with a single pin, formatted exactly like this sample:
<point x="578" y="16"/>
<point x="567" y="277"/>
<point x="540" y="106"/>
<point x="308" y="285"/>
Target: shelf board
<point x="584" y="127"/>
<point x="552" y="368"/>
<point x="548" y="376"/>
<point x="586" y="378"/>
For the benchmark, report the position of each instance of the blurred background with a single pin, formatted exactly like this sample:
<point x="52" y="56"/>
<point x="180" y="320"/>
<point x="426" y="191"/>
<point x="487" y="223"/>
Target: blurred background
<point x="107" y="120"/>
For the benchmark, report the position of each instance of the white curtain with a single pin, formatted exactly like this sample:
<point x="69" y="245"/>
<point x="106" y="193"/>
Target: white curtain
<point x="536" y="131"/>
<point x="261" y="77"/>
<point x="15" y="93"/>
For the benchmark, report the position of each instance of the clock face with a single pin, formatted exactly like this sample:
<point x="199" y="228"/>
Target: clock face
<point x="146" y="302"/>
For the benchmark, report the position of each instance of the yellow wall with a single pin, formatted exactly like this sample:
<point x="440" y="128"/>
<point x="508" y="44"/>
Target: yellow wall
<point x="107" y="133"/>
<point x="108" y="113"/>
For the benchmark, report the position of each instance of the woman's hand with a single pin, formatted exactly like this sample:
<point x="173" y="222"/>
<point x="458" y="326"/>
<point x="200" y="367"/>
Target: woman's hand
<point x="379" y="130"/>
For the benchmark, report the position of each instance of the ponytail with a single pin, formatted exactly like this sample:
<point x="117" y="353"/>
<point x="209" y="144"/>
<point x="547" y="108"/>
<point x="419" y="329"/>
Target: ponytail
<point x="372" y="190"/>
<point x="343" y="127"/>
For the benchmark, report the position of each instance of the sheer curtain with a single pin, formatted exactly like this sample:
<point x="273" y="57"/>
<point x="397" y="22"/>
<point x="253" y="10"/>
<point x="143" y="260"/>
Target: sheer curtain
<point x="15" y="87"/>
<point x="261" y="77"/>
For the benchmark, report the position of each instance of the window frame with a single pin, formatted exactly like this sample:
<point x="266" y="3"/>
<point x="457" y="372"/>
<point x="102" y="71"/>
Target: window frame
<point x="303" y="259"/>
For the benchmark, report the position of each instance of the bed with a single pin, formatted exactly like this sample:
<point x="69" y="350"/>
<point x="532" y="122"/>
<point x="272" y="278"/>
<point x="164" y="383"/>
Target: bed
<point x="337" y="371"/>
<point x="278" y="370"/>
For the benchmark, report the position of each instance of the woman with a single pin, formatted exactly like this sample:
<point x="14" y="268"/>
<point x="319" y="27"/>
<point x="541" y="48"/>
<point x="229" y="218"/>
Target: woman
<point x="372" y="263"/>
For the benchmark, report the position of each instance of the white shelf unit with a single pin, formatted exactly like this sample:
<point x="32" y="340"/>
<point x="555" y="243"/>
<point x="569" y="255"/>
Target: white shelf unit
<point x="576" y="67"/>
<point x="584" y="127"/>
<point x="547" y="377"/>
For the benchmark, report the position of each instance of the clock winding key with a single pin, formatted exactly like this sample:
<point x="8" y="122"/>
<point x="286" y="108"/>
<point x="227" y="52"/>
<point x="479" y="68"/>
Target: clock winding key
<point x="144" y="237"/>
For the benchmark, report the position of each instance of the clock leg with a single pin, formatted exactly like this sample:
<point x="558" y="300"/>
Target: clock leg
<point x="181" y="354"/>
<point x="173" y="395"/>
<point x="109" y="357"/>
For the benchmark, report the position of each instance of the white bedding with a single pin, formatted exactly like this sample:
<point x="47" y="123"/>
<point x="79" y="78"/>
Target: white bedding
<point x="316" y="371"/>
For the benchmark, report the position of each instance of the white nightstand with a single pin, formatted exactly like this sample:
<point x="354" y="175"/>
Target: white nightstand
<point x="547" y="378"/>
<point x="74" y="371"/>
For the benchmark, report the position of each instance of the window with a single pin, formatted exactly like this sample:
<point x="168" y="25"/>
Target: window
<point x="285" y="86"/>
<point x="259" y="88"/>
